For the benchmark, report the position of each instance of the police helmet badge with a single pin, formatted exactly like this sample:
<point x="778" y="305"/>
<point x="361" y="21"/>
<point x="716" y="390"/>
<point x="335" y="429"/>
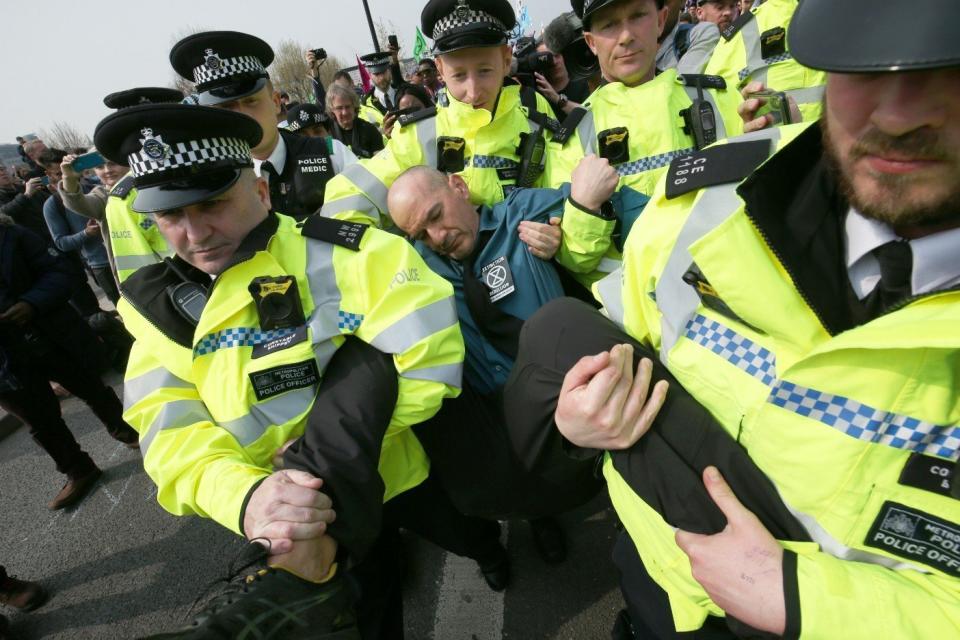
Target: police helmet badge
<point x="153" y="146"/>
<point x="304" y="116"/>
<point x="462" y="10"/>
<point x="212" y="60"/>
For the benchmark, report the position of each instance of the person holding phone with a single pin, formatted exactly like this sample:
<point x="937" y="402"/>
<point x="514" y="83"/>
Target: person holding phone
<point x="410" y="99"/>
<point x="93" y="205"/>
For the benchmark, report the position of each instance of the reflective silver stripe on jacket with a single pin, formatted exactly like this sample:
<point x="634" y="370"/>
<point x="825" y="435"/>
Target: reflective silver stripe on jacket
<point x="448" y="374"/>
<point x="136" y="389"/>
<point x="608" y="265"/>
<point x="416" y="326"/>
<point x="349" y="203"/>
<point x="427" y="137"/>
<point x="173" y="415"/>
<point x="368" y="183"/>
<point x="610" y="292"/>
<point x="127" y="262"/>
<point x="279" y="410"/>
<point x="756" y="69"/>
<point x="676" y="299"/>
<point x="587" y="132"/>
<point x="807" y="95"/>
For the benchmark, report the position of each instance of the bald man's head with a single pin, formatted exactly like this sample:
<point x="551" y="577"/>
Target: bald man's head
<point x="434" y="208"/>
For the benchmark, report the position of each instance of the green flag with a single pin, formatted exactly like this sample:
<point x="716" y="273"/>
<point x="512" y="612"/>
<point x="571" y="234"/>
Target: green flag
<point x="419" y="45"/>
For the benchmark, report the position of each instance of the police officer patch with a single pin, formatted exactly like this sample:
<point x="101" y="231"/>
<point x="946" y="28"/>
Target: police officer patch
<point x="153" y="146"/>
<point x="917" y="537"/>
<point x="463" y="11"/>
<point x="212" y="61"/>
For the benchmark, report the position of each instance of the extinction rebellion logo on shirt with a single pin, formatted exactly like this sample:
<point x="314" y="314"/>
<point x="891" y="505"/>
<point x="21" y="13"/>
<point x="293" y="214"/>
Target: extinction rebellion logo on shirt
<point x="917" y="536"/>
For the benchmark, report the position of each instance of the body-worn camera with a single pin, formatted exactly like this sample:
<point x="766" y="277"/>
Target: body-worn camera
<point x="278" y="302"/>
<point x="319" y="54"/>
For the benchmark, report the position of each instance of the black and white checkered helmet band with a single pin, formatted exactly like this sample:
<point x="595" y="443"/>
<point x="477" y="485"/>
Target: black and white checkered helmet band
<point x="461" y="18"/>
<point x="215" y="68"/>
<point x="157" y="157"/>
<point x="305" y="120"/>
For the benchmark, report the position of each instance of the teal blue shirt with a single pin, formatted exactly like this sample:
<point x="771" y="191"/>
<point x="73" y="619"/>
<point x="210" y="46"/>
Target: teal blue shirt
<point x="534" y="281"/>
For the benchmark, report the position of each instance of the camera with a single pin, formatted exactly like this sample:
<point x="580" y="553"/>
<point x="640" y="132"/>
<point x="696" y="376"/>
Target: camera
<point x="528" y="61"/>
<point x="564" y="35"/>
<point x="319" y="54"/>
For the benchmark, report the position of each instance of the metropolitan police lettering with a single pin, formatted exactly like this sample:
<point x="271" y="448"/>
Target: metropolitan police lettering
<point x="917" y="536"/>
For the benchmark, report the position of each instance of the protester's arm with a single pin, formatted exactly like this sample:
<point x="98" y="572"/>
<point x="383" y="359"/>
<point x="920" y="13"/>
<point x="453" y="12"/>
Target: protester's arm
<point x="704" y="37"/>
<point x="89" y="205"/>
<point x="63" y="239"/>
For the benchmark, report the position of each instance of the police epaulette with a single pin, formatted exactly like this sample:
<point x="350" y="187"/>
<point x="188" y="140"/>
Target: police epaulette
<point x="417" y="116"/>
<point x="122" y="188"/>
<point x="720" y="164"/>
<point x="339" y="232"/>
<point x="705" y="81"/>
<point x="569" y="125"/>
<point x="734" y="27"/>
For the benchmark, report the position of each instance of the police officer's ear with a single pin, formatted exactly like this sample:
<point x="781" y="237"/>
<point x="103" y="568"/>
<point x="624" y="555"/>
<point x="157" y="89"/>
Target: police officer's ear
<point x="260" y="186"/>
<point x="507" y="56"/>
<point x="662" y="18"/>
<point x="275" y="96"/>
<point x="459" y="185"/>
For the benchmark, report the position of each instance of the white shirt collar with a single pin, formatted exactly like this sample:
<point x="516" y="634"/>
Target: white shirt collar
<point x="936" y="264"/>
<point x="380" y="95"/>
<point x="278" y="158"/>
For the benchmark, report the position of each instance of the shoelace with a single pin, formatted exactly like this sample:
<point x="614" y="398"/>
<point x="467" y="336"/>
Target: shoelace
<point x="229" y="584"/>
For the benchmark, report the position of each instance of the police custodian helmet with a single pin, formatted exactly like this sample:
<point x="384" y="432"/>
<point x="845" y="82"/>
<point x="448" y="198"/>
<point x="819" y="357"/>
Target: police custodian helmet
<point x="178" y="154"/>
<point x="866" y="36"/>
<point x="225" y="65"/>
<point x="461" y="24"/>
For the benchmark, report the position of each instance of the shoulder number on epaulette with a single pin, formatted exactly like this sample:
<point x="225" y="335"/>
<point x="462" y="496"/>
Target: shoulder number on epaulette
<point x="338" y="232"/>
<point x="735" y="26"/>
<point x="721" y="164"/>
<point x="122" y="188"/>
<point x="417" y="116"/>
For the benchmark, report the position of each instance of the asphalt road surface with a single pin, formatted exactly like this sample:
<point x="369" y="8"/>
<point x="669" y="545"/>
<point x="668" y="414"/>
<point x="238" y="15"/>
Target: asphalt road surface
<point x="118" y="566"/>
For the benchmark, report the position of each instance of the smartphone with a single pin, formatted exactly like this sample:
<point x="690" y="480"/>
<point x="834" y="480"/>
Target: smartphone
<point x="45" y="180"/>
<point x="775" y="103"/>
<point x="392" y="40"/>
<point x="88" y="161"/>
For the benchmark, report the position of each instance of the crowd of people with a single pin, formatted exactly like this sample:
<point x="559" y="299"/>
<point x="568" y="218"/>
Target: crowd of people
<point x="696" y="254"/>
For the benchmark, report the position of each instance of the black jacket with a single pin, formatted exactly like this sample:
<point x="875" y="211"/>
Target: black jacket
<point x="27" y="211"/>
<point x="31" y="271"/>
<point x="364" y="139"/>
<point x="299" y="190"/>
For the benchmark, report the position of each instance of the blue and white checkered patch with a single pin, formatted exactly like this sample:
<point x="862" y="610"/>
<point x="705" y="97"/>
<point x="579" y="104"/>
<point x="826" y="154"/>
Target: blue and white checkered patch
<point x="239" y="337"/>
<point x="650" y="162"/>
<point x="146" y="221"/>
<point x="865" y="423"/>
<point x="348" y="321"/>
<point x="746" y="71"/>
<point x="492" y="162"/>
<point x="733" y="347"/>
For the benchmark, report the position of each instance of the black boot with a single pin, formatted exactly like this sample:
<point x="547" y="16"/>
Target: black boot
<point x="549" y="540"/>
<point x="273" y="603"/>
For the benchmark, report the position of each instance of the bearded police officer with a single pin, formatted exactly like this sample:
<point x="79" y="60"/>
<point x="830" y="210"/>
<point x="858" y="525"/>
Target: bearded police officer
<point x="638" y="120"/>
<point x="230" y="72"/>
<point x="810" y="307"/>
<point x="134" y="239"/>
<point x="485" y="127"/>
<point x="223" y="372"/>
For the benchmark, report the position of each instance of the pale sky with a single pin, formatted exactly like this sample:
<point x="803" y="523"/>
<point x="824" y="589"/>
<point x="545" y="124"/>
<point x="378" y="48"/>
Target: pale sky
<point x="60" y="57"/>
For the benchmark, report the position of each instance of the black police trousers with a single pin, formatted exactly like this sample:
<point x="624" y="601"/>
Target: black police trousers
<point x="665" y="467"/>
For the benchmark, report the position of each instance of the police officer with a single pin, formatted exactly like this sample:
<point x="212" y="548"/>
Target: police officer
<point x="382" y="97"/>
<point x="223" y="373"/>
<point x="485" y="128"/>
<point x="134" y="239"/>
<point x="810" y="306"/>
<point x="502" y="272"/>
<point x="638" y="120"/>
<point x="313" y="122"/>
<point x="753" y="54"/>
<point x="230" y="72"/>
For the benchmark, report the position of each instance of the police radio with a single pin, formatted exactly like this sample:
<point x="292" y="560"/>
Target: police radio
<point x="278" y="302"/>
<point x="532" y="151"/>
<point x="699" y="120"/>
<point x="188" y="297"/>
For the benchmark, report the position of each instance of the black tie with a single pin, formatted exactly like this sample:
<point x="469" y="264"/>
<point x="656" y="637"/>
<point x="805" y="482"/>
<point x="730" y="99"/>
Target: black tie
<point x="388" y="103"/>
<point x="267" y="169"/>
<point x="896" y="265"/>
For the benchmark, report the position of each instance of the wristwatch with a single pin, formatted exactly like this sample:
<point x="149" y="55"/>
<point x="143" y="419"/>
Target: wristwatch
<point x="561" y="100"/>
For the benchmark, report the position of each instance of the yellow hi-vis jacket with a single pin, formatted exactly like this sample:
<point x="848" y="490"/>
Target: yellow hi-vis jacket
<point x="650" y="114"/>
<point x="754" y="49"/>
<point x="858" y="430"/>
<point x="489" y="154"/>
<point x="213" y="403"/>
<point x="134" y="238"/>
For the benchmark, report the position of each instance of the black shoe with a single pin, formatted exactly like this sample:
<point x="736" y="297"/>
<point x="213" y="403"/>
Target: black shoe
<point x="273" y="603"/>
<point x="21" y="594"/>
<point x="549" y="540"/>
<point x="496" y="573"/>
<point x="623" y="627"/>
<point x="5" y="628"/>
